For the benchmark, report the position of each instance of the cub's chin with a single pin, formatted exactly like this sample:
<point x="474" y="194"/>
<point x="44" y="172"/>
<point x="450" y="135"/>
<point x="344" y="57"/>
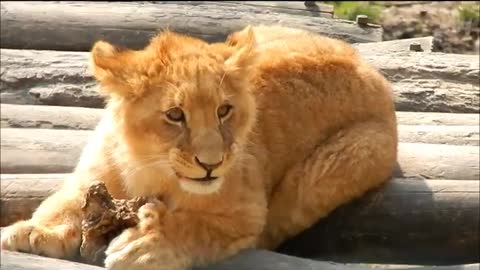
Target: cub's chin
<point x="202" y="187"/>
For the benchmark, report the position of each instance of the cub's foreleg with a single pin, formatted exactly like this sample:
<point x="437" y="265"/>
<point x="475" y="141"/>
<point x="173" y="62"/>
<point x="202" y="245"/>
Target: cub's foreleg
<point x="177" y="239"/>
<point x="53" y="230"/>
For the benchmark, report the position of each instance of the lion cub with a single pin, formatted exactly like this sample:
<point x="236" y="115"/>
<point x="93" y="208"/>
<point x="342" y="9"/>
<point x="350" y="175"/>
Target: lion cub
<point x="249" y="141"/>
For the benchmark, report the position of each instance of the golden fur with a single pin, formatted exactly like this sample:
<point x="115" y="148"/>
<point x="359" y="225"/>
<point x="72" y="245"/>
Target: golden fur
<point x="312" y="126"/>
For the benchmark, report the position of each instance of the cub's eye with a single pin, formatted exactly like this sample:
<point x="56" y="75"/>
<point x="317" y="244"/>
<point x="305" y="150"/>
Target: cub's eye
<point x="175" y="115"/>
<point x="224" y="110"/>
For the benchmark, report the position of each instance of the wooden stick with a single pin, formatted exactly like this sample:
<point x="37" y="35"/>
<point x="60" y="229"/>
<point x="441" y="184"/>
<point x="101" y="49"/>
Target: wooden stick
<point x="76" y="26"/>
<point x="406" y="221"/>
<point x="63" y="117"/>
<point x="60" y="150"/>
<point x="432" y="82"/>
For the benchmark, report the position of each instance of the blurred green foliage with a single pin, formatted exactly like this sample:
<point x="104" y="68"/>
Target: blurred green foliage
<point x="349" y="10"/>
<point x="469" y="12"/>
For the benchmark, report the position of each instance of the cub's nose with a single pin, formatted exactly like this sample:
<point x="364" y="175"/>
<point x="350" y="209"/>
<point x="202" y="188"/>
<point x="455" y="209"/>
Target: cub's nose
<point x="206" y="166"/>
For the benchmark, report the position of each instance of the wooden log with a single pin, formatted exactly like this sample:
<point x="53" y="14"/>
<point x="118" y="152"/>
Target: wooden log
<point x="53" y="117"/>
<point x="76" y="26"/>
<point x="421" y="222"/>
<point x="393" y="46"/>
<point x="59" y="117"/>
<point x="246" y="260"/>
<point x="437" y="119"/>
<point x="452" y="135"/>
<point x="64" y="117"/>
<point x="60" y="149"/>
<point x="437" y="161"/>
<point x="22" y="193"/>
<point x="289" y="7"/>
<point x="431" y="82"/>
<point x="439" y="218"/>
<point x="23" y="261"/>
<point x="32" y="151"/>
<point x="422" y="82"/>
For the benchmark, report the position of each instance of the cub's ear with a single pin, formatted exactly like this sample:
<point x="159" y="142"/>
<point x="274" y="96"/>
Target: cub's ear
<point x="115" y="68"/>
<point x="243" y="57"/>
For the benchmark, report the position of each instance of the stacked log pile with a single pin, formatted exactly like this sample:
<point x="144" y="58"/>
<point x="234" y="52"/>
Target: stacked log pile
<point x="427" y="214"/>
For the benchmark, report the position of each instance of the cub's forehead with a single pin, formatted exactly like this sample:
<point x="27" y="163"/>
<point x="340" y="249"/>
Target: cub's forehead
<point x="193" y="78"/>
<point x="202" y="89"/>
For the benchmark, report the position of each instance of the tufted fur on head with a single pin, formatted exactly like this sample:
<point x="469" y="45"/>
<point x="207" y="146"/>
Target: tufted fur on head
<point x="192" y="76"/>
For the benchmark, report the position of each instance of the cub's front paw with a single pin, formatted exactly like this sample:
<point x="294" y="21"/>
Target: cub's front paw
<point x="61" y="241"/>
<point x="144" y="247"/>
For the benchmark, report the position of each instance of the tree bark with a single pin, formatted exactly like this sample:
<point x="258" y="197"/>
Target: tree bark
<point x="76" y="26"/>
<point x="422" y="82"/>
<point x="80" y="118"/>
<point x="405" y="221"/>
<point x="60" y="149"/>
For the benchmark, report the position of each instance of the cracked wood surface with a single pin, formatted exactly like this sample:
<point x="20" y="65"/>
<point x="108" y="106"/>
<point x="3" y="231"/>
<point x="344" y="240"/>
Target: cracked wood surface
<point x="422" y="82"/>
<point x="75" y="26"/>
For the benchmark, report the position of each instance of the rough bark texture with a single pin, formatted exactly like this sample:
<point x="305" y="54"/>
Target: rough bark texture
<point x="76" y="26"/>
<point x="422" y="82"/>
<point x="247" y="260"/>
<point x="63" y="117"/>
<point x="406" y="221"/>
<point x="47" y="77"/>
<point x="60" y="150"/>
<point x="431" y="82"/>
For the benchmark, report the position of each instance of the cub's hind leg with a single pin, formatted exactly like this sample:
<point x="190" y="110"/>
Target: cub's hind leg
<point x="345" y="166"/>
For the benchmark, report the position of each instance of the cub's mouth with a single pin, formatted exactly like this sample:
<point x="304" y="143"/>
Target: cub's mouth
<point x="203" y="185"/>
<point x="207" y="178"/>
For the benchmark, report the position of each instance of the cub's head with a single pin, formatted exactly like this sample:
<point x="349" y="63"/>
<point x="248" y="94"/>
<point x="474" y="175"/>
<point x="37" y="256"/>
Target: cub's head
<point x="181" y="105"/>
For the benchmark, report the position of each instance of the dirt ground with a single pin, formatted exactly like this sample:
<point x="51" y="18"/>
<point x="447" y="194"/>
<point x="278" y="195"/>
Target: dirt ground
<point x="438" y="19"/>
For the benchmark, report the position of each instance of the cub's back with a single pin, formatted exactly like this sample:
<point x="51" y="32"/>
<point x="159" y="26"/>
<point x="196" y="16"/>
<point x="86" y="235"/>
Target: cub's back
<point x="308" y="87"/>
